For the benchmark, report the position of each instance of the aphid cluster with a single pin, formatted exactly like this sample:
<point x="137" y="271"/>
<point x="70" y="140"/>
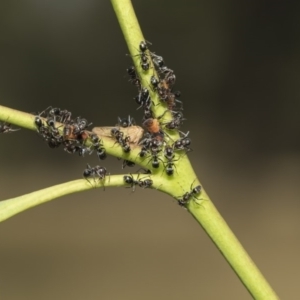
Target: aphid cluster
<point x="154" y="144"/>
<point x="157" y="145"/>
<point x="57" y="127"/>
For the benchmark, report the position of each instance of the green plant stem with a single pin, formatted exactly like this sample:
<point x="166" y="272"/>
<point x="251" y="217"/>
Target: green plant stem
<point x="11" y="207"/>
<point x="203" y="211"/>
<point x="133" y="36"/>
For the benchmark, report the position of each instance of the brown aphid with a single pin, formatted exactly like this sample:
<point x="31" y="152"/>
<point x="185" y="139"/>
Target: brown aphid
<point x="134" y="133"/>
<point x="152" y="125"/>
<point x="68" y="133"/>
<point x="83" y="136"/>
<point x="164" y="84"/>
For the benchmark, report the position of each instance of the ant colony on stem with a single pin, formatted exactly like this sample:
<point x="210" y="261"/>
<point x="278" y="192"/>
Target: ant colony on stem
<point x="157" y="150"/>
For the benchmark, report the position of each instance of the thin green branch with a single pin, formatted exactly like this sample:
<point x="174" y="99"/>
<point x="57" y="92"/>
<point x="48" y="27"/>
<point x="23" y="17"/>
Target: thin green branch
<point x="26" y="120"/>
<point x="203" y="211"/>
<point x="13" y="206"/>
<point x="133" y="37"/>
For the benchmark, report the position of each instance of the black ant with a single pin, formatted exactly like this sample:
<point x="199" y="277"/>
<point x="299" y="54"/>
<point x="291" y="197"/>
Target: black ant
<point x="129" y="179"/>
<point x="155" y="159"/>
<point x="143" y="56"/>
<point x="143" y="98"/>
<point x="169" y="155"/>
<point x="96" y="171"/>
<point x="147" y="113"/>
<point x="79" y="125"/>
<point x="186" y="197"/>
<point x="127" y="163"/>
<point x="63" y="116"/>
<point x="98" y="146"/>
<point x="134" y="77"/>
<point x="101" y="153"/>
<point x="82" y="123"/>
<point x="147" y="183"/>
<point x="169" y="74"/>
<point x="6" y="127"/>
<point x="71" y="146"/>
<point x="53" y="130"/>
<point x="126" y="122"/>
<point x="176" y="121"/>
<point x="39" y="122"/>
<point x="54" y="139"/>
<point x="123" y="142"/>
<point x="152" y="142"/>
<point x="143" y="152"/>
<point x="183" y="143"/>
<point x="53" y="143"/>
<point x="154" y="82"/>
<point x="158" y="61"/>
<point x="82" y="150"/>
<point x="74" y="146"/>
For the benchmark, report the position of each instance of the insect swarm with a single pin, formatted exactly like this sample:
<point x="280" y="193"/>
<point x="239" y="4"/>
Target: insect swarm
<point x="160" y="180"/>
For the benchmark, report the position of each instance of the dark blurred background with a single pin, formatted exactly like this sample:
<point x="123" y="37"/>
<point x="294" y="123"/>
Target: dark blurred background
<point x="237" y="67"/>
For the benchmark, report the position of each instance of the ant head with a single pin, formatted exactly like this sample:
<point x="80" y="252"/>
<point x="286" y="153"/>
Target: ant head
<point x="143" y="46"/>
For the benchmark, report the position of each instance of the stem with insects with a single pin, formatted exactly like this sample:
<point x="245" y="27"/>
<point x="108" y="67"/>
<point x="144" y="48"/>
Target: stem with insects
<point x="201" y="209"/>
<point x="205" y="213"/>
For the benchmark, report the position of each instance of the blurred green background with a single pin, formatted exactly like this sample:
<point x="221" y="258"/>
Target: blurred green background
<point x="237" y="67"/>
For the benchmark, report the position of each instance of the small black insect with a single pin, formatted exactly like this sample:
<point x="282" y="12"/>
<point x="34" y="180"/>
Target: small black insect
<point x="143" y="152"/>
<point x="143" y="56"/>
<point x="71" y="146"/>
<point x="126" y="122"/>
<point x="82" y="150"/>
<point x="101" y="153"/>
<point x="98" y="146"/>
<point x="143" y="98"/>
<point x="53" y="131"/>
<point x="50" y="122"/>
<point x="154" y="82"/>
<point x="186" y="197"/>
<point x="183" y="143"/>
<point x="158" y="61"/>
<point x="152" y="142"/>
<point x="6" y="127"/>
<point x="169" y="75"/>
<point x="123" y="142"/>
<point x="169" y="164"/>
<point x="53" y="143"/>
<point x="134" y="79"/>
<point x="147" y="183"/>
<point x="129" y="179"/>
<point x="79" y="125"/>
<point x="95" y="172"/>
<point x="176" y="121"/>
<point x="60" y="115"/>
<point x="127" y="163"/>
<point x="39" y="123"/>
<point x="155" y="160"/>
<point x="147" y="114"/>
